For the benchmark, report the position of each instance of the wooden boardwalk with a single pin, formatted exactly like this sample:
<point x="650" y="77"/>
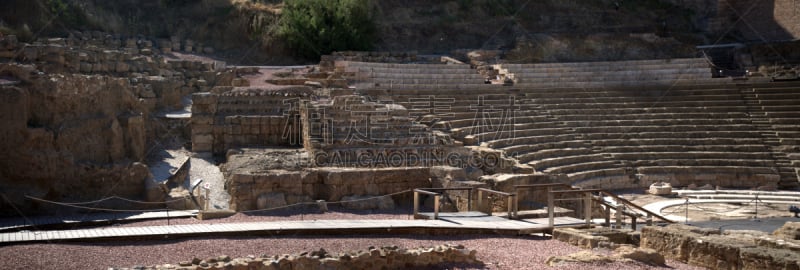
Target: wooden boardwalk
<point x="449" y="223"/>
<point x="8" y="224"/>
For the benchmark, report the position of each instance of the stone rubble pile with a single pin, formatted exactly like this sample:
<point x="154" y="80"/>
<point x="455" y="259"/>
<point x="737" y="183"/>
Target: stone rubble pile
<point x="390" y="257"/>
<point x="724" y="250"/>
<point x="142" y="60"/>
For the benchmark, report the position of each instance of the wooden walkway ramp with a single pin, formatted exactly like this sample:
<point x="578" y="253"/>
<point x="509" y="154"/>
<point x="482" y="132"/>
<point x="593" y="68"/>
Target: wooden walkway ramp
<point x="448" y="223"/>
<point x="7" y="224"/>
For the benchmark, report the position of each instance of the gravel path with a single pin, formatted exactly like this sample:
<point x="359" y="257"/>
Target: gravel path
<point x="204" y="168"/>
<point x="498" y="252"/>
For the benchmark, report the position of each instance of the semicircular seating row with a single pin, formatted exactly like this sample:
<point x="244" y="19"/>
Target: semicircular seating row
<point x="697" y="130"/>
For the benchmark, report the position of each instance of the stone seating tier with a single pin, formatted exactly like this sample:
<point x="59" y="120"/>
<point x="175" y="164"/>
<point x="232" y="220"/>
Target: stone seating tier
<point x="554" y="153"/>
<point x="661" y="62"/>
<point x="496" y="130"/>
<point x="633" y="130"/>
<point x="388" y="82"/>
<point x="465" y="104"/>
<point x="589" y="174"/>
<point x="585" y="166"/>
<point x="704" y="169"/>
<point x="690" y="155"/>
<point x="729" y="147"/>
<point x="428" y="69"/>
<point x="603" y="98"/>
<point x="586" y="130"/>
<point x="345" y="64"/>
<point x="655" y="91"/>
<point x="662" y="103"/>
<point x="675" y="135"/>
<point x="521" y="150"/>
<point x="626" y="83"/>
<point x="650" y="70"/>
<point x="466" y="122"/>
<point x="556" y="112"/>
<point x="655" y="75"/>
<point x="499" y="143"/>
<point x="522" y="133"/>
<point x="402" y="75"/>
<point x="541" y="164"/>
<point x="733" y="116"/>
<point x="439" y="87"/>
<point x="694" y="141"/>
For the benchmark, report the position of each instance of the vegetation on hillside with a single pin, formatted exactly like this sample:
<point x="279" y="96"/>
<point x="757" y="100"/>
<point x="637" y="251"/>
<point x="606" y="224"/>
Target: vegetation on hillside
<point x="316" y="27"/>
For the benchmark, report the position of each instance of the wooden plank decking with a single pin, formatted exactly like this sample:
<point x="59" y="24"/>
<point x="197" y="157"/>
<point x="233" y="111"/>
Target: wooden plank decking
<point x="7" y="224"/>
<point x="449" y="223"/>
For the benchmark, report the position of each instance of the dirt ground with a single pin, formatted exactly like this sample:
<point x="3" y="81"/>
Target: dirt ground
<point x="710" y="211"/>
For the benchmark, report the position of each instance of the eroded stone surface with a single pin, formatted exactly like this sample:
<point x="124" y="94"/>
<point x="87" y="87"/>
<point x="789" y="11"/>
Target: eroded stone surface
<point x="390" y="257"/>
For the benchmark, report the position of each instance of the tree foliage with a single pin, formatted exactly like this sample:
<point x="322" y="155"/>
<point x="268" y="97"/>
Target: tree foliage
<point x="315" y="27"/>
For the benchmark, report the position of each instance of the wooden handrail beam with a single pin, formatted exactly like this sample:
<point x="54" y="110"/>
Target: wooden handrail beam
<point x="496" y="192"/>
<point x="425" y="192"/>
<point x="543" y="185"/>
<point x="576" y="191"/>
<point x="629" y="203"/>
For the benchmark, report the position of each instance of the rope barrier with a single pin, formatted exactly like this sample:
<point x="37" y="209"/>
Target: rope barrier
<point x="78" y="205"/>
<point x="336" y="202"/>
<point x="96" y="208"/>
<point x="118" y="198"/>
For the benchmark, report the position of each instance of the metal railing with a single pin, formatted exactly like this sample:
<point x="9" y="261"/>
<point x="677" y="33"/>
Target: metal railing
<point x="584" y="195"/>
<point x="587" y="198"/>
<point x="510" y="205"/>
<point x="550" y="187"/>
<point x="437" y="193"/>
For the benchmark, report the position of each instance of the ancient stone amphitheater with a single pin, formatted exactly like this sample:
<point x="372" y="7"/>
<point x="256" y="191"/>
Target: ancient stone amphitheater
<point x="610" y="125"/>
<point x="369" y="124"/>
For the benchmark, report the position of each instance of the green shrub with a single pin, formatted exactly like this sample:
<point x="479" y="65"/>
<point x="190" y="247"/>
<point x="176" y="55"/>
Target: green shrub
<point x="315" y="27"/>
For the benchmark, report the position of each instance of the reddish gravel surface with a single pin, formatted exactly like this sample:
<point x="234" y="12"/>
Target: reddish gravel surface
<point x="498" y="252"/>
<point x="335" y="214"/>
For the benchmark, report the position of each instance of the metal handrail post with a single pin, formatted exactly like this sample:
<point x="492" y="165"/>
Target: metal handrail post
<point x="416" y="203"/>
<point x="587" y="208"/>
<point x="550" y="208"/>
<point x="436" y="206"/>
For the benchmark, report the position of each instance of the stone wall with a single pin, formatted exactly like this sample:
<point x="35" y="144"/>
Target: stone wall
<point x="163" y="79"/>
<point x="327" y="62"/>
<point x="246" y="118"/>
<point x="730" y="250"/>
<point x="330" y="184"/>
<point x="69" y="137"/>
<point x="82" y="113"/>
<point x="390" y="257"/>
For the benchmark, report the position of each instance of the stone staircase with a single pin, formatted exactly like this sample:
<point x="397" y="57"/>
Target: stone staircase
<point x="759" y="107"/>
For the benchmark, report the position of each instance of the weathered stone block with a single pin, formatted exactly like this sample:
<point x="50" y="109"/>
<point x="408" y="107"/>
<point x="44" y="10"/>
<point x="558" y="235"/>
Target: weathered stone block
<point x="270" y="200"/>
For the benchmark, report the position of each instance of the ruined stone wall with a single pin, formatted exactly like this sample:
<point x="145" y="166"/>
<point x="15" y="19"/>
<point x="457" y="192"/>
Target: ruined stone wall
<point x="70" y="137"/>
<point x="235" y="119"/>
<point x="82" y="113"/>
<point x="350" y="131"/>
<point x="330" y="184"/>
<point x="164" y="79"/>
<point x="389" y="257"/>
<point x="327" y="62"/>
<point x="715" y="250"/>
